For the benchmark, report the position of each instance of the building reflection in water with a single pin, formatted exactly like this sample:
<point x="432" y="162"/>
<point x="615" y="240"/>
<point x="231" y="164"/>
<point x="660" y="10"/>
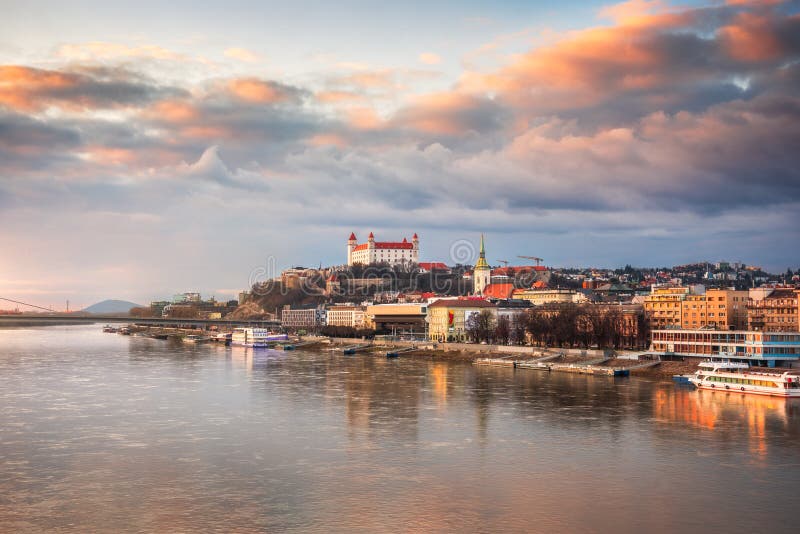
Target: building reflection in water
<point x="723" y="413"/>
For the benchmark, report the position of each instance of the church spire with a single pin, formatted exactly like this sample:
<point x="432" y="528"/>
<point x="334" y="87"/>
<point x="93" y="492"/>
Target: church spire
<point x="481" y="263"/>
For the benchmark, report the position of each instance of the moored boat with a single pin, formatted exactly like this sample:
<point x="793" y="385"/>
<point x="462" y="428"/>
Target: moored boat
<point x="736" y="377"/>
<point x="256" y="337"/>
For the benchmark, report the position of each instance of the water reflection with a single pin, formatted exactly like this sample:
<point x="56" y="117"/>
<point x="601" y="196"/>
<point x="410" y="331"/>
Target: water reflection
<point x="104" y="432"/>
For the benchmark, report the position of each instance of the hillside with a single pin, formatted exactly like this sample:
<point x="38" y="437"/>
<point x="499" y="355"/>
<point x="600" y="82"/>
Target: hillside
<point x="112" y="306"/>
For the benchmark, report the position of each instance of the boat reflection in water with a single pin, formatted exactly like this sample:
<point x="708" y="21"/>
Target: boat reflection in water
<point x="726" y="413"/>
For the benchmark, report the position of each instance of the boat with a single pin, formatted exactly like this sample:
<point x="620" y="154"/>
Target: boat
<point x="108" y="329"/>
<point x="224" y="338"/>
<point x="736" y="377"/>
<point x="194" y="338"/>
<point x="256" y="337"/>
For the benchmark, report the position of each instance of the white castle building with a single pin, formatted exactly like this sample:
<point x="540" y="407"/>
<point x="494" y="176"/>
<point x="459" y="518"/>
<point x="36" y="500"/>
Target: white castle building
<point x="391" y="252"/>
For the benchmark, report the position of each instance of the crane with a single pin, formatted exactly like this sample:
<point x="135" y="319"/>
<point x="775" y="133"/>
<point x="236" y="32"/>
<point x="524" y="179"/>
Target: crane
<point x="534" y="258"/>
<point x="504" y="262"/>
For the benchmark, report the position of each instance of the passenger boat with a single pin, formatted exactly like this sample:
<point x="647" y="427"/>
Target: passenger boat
<point x="736" y="377"/>
<point x="255" y="337"/>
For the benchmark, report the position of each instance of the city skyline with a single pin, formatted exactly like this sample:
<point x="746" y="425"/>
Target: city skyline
<point x="147" y="150"/>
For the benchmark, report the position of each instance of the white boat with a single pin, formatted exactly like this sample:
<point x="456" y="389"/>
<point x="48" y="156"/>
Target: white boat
<point x="255" y="337"/>
<point x="193" y="338"/>
<point x="736" y="377"/>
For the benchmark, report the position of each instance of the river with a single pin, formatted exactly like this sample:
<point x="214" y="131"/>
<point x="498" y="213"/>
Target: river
<point x="102" y="432"/>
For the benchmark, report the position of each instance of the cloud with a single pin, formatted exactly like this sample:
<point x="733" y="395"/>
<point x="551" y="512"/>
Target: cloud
<point x="261" y="91"/>
<point x="676" y="124"/>
<point x="242" y="54"/>
<point x="100" y="50"/>
<point x="30" y="89"/>
<point x="429" y="58"/>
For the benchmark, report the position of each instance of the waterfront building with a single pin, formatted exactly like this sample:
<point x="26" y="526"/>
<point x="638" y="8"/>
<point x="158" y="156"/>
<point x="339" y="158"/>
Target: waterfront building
<point x="352" y="316"/>
<point x="390" y="252"/>
<point x="406" y="318"/>
<point x="482" y="273"/>
<point x="773" y="309"/>
<point x="447" y="318"/>
<point x="185" y="298"/>
<point x="717" y="308"/>
<point x="302" y="318"/>
<point x="663" y="306"/>
<point x="757" y="348"/>
<point x="685" y="307"/>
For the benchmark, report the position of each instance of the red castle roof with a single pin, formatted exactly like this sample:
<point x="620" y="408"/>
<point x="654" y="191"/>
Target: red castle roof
<point x="352" y="236"/>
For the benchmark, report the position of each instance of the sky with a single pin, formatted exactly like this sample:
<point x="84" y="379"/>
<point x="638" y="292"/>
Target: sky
<point x="154" y="148"/>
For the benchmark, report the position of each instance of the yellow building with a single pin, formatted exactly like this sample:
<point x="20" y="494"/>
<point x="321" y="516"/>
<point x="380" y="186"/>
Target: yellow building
<point x="678" y="307"/>
<point x="724" y="309"/>
<point x="538" y="297"/>
<point x="447" y="319"/>
<point x="663" y="306"/>
<point x="774" y="310"/>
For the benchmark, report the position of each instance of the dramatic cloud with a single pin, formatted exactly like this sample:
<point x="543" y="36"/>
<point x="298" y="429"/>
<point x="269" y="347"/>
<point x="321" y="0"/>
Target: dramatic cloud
<point x="675" y="126"/>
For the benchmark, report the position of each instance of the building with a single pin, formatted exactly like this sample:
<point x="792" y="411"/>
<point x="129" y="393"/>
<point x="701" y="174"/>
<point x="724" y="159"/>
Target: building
<point x="302" y="318"/>
<point x="397" y="318"/>
<point x="768" y="349"/>
<point x="390" y="252"/>
<point x="538" y="297"/>
<point x="773" y="310"/>
<point x="724" y="309"/>
<point x="685" y="307"/>
<point x="663" y="306"/>
<point x="186" y="298"/>
<point x="352" y="316"/>
<point x="482" y="273"/>
<point x="447" y="318"/>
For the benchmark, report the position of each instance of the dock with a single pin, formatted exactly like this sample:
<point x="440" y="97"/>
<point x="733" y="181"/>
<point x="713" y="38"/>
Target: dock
<point x="352" y="349"/>
<point x="502" y="362"/>
<point x="396" y="353"/>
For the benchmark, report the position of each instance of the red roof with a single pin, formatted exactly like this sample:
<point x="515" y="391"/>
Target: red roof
<point x="371" y="236"/>
<point x="352" y="236"/>
<point x="415" y="236"/>
<point x="461" y="303"/>
<point x="390" y="244"/>
<point x="432" y="266"/>
<point x="386" y="245"/>
<point x="539" y="284"/>
<point x="498" y="291"/>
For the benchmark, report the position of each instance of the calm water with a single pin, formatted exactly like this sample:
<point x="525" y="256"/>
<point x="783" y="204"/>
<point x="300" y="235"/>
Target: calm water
<point x="111" y="433"/>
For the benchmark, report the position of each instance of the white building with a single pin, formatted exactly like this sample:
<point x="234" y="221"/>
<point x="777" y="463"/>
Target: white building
<point x="352" y="316"/>
<point x="391" y="252"/>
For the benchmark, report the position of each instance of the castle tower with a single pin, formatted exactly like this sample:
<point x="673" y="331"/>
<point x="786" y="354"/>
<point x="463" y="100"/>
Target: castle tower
<point x="415" y="250"/>
<point x="373" y="256"/>
<point x="351" y="246"/>
<point x="482" y="273"/>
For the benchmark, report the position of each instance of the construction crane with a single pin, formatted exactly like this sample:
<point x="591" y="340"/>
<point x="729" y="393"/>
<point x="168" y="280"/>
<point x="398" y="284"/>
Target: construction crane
<point x="504" y="262"/>
<point x="534" y="258"/>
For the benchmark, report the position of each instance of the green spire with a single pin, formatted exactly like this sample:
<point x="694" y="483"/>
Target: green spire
<point x="481" y="264"/>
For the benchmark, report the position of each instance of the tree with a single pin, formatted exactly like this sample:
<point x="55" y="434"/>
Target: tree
<point x="480" y="326"/>
<point x="519" y="327"/>
<point x="502" y="331"/>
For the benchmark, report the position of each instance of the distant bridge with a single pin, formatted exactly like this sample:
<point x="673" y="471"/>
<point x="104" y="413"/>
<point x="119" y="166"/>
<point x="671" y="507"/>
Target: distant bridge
<point x="63" y="318"/>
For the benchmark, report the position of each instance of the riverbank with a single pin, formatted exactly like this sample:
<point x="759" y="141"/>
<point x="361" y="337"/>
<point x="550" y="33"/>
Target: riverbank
<point x="469" y="353"/>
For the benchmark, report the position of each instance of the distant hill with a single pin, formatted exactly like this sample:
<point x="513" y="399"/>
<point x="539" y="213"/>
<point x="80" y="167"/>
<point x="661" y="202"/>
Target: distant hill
<point x="112" y="306"/>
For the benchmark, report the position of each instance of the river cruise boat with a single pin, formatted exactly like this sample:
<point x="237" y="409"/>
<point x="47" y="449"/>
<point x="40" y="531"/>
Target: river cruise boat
<point x="736" y="377"/>
<point x="255" y="337"/>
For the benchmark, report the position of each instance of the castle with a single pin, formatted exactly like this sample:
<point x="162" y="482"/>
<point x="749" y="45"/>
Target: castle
<point x="390" y="252"/>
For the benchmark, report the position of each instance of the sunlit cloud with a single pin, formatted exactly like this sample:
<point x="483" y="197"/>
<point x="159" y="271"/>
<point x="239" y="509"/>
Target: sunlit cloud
<point x="242" y="54"/>
<point x="429" y="58"/>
